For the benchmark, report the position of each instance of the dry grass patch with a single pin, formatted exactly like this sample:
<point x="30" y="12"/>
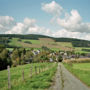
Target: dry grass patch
<point x="80" y="60"/>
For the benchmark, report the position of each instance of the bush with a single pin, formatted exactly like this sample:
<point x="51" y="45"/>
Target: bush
<point x="27" y="42"/>
<point x="19" y="40"/>
<point x="60" y="58"/>
<point x="4" y="59"/>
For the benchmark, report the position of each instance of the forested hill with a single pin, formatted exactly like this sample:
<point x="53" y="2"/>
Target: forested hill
<point x="75" y="42"/>
<point x="28" y="36"/>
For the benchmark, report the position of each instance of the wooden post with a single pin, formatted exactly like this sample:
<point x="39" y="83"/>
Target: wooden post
<point x="31" y="71"/>
<point x="23" y="75"/>
<point x="9" y="83"/>
<point x="35" y="70"/>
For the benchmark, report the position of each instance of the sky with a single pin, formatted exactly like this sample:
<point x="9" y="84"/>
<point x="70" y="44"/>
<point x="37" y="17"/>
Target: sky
<point x="56" y="18"/>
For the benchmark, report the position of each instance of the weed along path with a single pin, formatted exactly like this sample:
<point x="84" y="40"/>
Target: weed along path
<point x="64" y="80"/>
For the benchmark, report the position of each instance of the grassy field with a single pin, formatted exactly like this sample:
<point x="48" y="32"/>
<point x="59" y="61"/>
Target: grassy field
<point x="32" y="41"/>
<point x="37" y="82"/>
<point x="81" y="70"/>
<point x="79" y="49"/>
<point x="67" y="46"/>
<point x="15" y="42"/>
<point x="39" y="43"/>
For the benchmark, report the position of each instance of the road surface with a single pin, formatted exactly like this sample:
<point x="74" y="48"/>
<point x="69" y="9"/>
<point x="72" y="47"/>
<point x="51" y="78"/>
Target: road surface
<point x="64" y="80"/>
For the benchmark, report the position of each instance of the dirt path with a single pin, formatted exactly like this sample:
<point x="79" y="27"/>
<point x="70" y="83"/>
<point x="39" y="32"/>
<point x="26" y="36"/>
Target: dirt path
<point x="57" y="83"/>
<point x="64" y="80"/>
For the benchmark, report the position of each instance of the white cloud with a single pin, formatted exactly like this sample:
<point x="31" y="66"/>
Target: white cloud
<point x="68" y="34"/>
<point x="29" y="22"/>
<point x="6" y="22"/>
<point x="22" y="27"/>
<point x="74" y="23"/>
<point x="52" y="8"/>
<point x="28" y="26"/>
<point x="17" y="29"/>
<point x="73" y="20"/>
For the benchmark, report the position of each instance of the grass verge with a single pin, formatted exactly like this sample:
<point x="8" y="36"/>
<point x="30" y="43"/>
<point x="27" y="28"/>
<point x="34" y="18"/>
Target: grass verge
<point x="37" y="82"/>
<point x="81" y="70"/>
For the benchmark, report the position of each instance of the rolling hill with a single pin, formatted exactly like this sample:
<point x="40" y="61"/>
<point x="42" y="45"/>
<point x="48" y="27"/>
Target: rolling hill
<point x="37" y="41"/>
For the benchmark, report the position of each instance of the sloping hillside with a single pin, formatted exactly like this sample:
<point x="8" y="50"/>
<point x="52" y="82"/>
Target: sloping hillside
<point x="74" y="42"/>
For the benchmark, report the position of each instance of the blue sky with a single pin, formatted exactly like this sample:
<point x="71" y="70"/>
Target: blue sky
<point x="21" y="9"/>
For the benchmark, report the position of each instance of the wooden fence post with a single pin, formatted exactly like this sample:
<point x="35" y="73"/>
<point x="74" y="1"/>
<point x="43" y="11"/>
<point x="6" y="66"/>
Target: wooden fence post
<point x="31" y="71"/>
<point x="9" y="83"/>
<point x="23" y="75"/>
<point x="35" y="70"/>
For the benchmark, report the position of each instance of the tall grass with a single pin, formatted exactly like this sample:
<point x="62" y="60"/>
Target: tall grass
<point x="39" y="81"/>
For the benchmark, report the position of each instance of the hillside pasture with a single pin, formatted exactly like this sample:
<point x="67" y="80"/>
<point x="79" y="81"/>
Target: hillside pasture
<point x="65" y="44"/>
<point x="48" y="42"/>
<point x="32" y="41"/>
<point x="39" y="43"/>
<point x="46" y="39"/>
<point x="79" y="49"/>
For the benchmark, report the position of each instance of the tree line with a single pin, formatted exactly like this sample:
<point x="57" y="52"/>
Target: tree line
<point x="20" y="56"/>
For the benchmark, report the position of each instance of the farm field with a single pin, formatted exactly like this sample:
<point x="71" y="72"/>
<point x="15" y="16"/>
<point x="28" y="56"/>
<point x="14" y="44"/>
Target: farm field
<point x="32" y="41"/>
<point x="15" y="42"/>
<point x="45" y="42"/>
<point x="39" y="43"/>
<point x="81" y="70"/>
<point x="79" y="49"/>
<point x="38" y="82"/>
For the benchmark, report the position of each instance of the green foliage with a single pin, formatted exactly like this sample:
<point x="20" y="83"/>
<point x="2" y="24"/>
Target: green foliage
<point x="83" y="54"/>
<point x="18" y="56"/>
<point x="22" y="59"/>
<point x="29" y="56"/>
<point x="27" y="42"/>
<point x="85" y="49"/>
<point x="45" y="48"/>
<point x="4" y="59"/>
<point x="60" y="58"/>
<point x="42" y="57"/>
<point x="31" y="41"/>
<point x="15" y="57"/>
<point x="29" y="36"/>
<point x="4" y="41"/>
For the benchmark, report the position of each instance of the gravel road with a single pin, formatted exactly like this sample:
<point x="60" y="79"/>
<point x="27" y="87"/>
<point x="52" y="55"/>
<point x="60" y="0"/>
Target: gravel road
<point x="64" y="80"/>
